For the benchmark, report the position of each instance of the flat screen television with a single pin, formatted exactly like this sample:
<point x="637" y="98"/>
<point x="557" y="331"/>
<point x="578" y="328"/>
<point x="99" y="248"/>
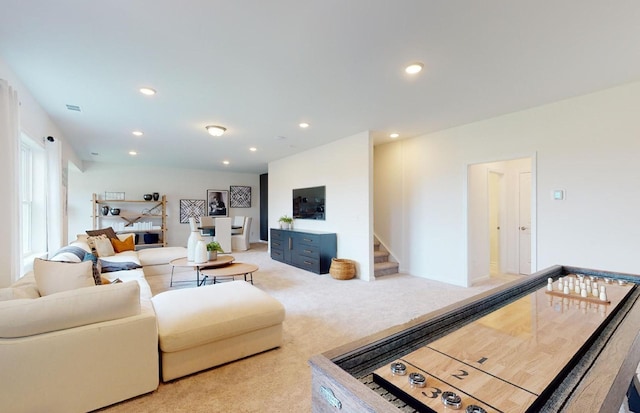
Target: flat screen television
<point x="308" y="203"/>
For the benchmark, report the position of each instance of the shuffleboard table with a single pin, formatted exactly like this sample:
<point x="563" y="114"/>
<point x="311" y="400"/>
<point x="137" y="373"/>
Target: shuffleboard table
<point x="562" y="340"/>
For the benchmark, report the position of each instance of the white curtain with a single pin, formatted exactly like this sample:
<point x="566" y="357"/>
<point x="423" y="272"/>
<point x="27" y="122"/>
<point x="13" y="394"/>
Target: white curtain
<point x="10" y="239"/>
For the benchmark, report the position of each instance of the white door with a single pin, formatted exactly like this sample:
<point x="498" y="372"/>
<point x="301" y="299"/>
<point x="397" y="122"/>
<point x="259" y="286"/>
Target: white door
<point x="524" y="223"/>
<point x="495" y="203"/>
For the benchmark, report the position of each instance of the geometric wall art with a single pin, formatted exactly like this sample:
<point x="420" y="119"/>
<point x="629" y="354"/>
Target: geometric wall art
<point x="191" y="208"/>
<point x="240" y="196"/>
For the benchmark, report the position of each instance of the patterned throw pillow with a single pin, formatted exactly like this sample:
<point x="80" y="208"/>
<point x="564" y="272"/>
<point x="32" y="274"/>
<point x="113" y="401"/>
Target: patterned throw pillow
<point x="101" y="246"/>
<point x="96" y="267"/>
<point x="69" y="253"/>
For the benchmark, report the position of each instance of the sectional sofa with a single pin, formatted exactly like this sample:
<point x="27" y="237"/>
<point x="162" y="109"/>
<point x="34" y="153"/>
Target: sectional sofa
<point x="69" y="345"/>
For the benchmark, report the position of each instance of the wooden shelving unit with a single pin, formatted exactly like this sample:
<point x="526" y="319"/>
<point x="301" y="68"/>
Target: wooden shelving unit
<point x="133" y="213"/>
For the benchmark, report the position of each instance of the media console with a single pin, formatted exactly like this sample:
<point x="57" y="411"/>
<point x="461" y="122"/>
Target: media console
<point x="309" y="250"/>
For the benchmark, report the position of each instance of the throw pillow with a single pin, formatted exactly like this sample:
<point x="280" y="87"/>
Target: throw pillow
<point x="101" y="246"/>
<point x="121" y="246"/>
<point x="54" y="276"/>
<point x="69" y="253"/>
<point x="95" y="267"/>
<point x="109" y="232"/>
<point x="109" y="266"/>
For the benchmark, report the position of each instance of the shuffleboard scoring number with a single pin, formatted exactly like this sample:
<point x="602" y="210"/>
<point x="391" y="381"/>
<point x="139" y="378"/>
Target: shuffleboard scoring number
<point x="433" y="394"/>
<point x="461" y="375"/>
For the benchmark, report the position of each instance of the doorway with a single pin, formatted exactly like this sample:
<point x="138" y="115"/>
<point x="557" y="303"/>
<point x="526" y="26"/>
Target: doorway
<point x="500" y="211"/>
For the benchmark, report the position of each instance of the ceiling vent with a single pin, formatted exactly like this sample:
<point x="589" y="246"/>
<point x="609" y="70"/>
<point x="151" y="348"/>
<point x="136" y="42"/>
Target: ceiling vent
<point x="73" y="107"/>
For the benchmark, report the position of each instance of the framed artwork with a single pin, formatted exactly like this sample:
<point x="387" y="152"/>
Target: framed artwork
<point x="240" y="196"/>
<point x="192" y="208"/>
<point x="217" y="202"/>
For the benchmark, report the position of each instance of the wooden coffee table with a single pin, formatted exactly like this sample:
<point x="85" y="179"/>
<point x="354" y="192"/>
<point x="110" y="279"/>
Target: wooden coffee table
<point x="231" y="270"/>
<point x="182" y="262"/>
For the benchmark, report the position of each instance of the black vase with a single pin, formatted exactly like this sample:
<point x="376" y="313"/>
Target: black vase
<point x="156" y="196"/>
<point x="105" y="209"/>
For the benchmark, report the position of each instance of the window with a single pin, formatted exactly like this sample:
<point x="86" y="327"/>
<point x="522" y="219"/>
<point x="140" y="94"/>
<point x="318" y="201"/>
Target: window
<point x="26" y="197"/>
<point x="33" y="213"/>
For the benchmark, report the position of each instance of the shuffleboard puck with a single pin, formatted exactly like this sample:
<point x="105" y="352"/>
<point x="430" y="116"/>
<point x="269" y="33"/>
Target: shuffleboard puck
<point x="452" y="400"/>
<point x="472" y="408"/>
<point x="399" y="369"/>
<point x="417" y="380"/>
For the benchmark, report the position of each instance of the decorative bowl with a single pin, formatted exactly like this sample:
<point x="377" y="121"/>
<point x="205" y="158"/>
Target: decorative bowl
<point x="115" y="211"/>
<point x="147" y="197"/>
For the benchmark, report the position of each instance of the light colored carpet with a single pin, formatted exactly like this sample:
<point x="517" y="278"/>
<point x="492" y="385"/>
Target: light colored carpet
<point x="321" y="313"/>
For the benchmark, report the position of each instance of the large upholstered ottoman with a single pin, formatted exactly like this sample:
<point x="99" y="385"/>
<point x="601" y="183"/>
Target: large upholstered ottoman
<point x="202" y="327"/>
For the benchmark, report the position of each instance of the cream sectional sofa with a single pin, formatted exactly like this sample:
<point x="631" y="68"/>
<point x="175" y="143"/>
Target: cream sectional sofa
<point x="85" y="348"/>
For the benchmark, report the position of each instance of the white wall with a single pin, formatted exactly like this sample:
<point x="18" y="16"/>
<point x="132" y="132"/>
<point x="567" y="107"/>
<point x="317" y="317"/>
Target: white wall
<point x="587" y="145"/>
<point x="175" y="183"/>
<point x="343" y="167"/>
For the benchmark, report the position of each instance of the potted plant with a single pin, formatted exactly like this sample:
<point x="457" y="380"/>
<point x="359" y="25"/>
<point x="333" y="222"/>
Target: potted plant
<point x="286" y="222"/>
<point x="213" y="248"/>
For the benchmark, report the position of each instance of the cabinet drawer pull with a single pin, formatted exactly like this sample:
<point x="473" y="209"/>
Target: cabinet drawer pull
<point x="307" y="239"/>
<point x="307" y="251"/>
<point x="290" y="241"/>
<point x="308" y="262"/>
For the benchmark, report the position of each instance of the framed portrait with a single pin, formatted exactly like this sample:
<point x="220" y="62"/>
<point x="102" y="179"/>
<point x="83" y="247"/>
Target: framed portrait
<point x="218" y="202"/>
<point x="240" y="196"/>
<point x="195" y="208"/>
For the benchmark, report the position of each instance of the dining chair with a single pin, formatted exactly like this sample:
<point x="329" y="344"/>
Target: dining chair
<point x="223" y="233"/>
<point x="240" y="242"/>
<point x="238" y="221"/>
<point x="206" y="221"/>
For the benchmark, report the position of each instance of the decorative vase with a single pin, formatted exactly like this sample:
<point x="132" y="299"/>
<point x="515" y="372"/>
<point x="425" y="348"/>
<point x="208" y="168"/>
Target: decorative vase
<point x="156" y="196"/>
<point x="201" y="252"/>
<point x="115" y="211"/>
<point x="213" y="255"/>
<point x="194" y="237"/>
<point x="105" y="209"/>
<point x="147" y="197"/>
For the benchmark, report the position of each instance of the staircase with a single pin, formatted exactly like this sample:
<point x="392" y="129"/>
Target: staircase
<point x="381" y="264"/>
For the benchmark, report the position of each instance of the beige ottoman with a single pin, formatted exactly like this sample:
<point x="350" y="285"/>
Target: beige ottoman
<point x="203" y="327"/>
<point x="156" y="260"/>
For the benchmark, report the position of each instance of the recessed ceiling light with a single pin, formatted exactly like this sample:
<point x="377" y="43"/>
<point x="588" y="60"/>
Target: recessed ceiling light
<point x="216" y="130"/>
<point x="137" y="133"/>
<point x="304" y="125"/>
<point x="133" y="153"/>
<point x="253" y="149"/>
<point x="225" y="162"/>
<point x="95" y="153"/>
<point x="394" y="135"/>
<point x="414" y="68"/>
<point x="74" y="108"/>
<point x="147" y="91"/>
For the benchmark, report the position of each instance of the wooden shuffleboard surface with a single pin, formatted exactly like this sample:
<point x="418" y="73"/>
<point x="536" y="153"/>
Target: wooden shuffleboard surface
<point x="506" y="360"/>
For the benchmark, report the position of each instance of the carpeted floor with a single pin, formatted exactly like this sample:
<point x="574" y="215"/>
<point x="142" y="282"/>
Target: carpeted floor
<point x="321" y="313"/>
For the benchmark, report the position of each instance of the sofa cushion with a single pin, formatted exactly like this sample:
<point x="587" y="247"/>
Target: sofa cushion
<point x="158" y="256"/>
<point x="13" y="293"/>
<point x="68" y="309"/>
<point x="53" y="277"/>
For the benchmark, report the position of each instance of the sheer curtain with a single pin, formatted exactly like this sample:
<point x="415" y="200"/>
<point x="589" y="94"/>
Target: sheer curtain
<point x="10" y="260"/>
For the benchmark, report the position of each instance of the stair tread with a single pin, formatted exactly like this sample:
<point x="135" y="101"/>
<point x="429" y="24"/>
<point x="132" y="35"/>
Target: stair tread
<point x="384" y="265"/>
<point x="380" y="253"/>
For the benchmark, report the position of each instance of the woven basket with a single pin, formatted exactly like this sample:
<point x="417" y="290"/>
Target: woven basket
<point x="342" y="269"/>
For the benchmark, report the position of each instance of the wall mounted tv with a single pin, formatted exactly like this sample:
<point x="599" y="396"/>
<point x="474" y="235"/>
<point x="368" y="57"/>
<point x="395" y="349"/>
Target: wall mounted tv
<point x="308" y="203"/>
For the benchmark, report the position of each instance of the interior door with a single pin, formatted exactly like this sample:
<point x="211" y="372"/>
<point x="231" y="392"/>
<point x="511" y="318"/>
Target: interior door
<point x="524" y="223"/>
<point x="495" y="202"/>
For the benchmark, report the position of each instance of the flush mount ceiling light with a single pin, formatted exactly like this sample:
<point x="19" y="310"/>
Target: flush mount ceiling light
<point x="394" y="135"/>
<point x="137" y="133"/>
<point x="225" y="162"/>
<point x="253" y="149"/>
<point x="147" y="91"/>
<point x="414" y="68"/>
<point x="133" y="153"/>
<point x="215" y="130"/>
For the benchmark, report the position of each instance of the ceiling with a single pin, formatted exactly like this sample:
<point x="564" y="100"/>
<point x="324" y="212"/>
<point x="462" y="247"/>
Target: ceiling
<point x="259" y="68"/>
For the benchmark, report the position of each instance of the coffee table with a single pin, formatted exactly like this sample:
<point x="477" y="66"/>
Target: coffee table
<point x="182" y="262"/>
<point x="231" y="270"/>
